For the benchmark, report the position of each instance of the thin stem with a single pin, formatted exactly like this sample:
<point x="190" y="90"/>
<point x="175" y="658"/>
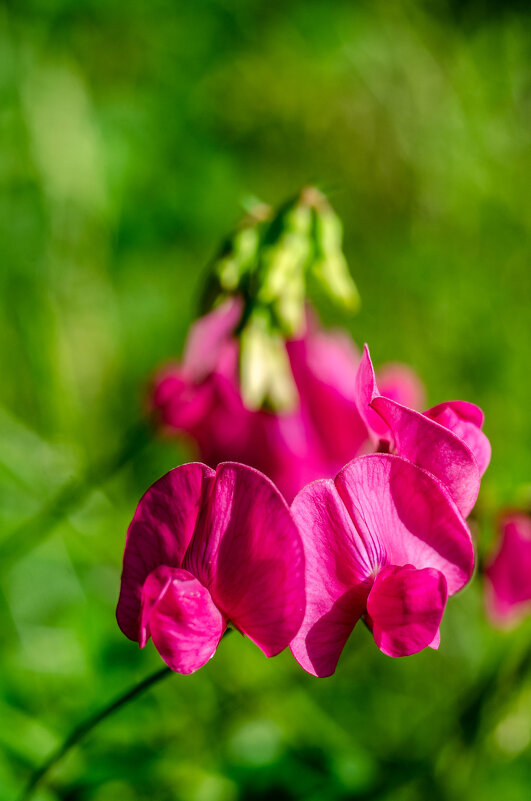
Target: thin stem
<point x="90" y="723"/>
<point x="87" y="726"/>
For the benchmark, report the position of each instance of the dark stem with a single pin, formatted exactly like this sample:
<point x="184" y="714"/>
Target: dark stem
<point x="87" y="726"/>
<point x="90" y="723"/>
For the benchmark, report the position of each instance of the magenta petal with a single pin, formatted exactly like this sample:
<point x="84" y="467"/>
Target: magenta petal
<point x="159" y="534"/>
<point x="249" y="554"/>
<point x="286" y="448"/>
<point x="185" y="397"/>
<point x="464" y="410"/>
<point x="366" y="392"/>
<point x="406" y="516"/>
<point x="181" y="618"/>
<point x="337" y="571"/>
<point x="464" y="419"/>
<point x="324" y="366"/>
<point x="433" y="447"/>
<point x="178" y="402"/>
<point x="509" y="572"/>
<point x="209" y="340"/>
<point x="405" y="607"/>
<point x="323" y="636"/>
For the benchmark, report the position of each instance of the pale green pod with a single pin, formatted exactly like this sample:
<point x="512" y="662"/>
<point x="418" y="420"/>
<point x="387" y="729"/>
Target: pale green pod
<point x="330" y="267"/>
<point x="242" y="255"/>
<point x="265" y="372"/>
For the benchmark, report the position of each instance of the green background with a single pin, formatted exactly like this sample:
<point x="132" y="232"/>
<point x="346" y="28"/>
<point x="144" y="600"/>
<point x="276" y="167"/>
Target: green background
<point x="131" y="135"/>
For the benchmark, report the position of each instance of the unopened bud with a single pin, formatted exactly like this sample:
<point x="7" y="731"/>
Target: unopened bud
<point x="283" y="268"/>
<point x="265" y="373"/>
<point x="330" y="267"/>
<point x="239" y="259"/>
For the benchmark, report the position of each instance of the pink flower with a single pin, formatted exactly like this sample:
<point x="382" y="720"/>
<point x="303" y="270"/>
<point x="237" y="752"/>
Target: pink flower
<point x="447" y="440"/>
<point x="509" y="573"/>
<point x="206" y="548"/>
<point x="201" y="398"/>
<point x="383" y="541"/>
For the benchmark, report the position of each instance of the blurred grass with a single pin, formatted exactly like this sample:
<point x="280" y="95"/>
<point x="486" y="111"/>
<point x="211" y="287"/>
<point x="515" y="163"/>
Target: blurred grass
<point x="130" y="134"/>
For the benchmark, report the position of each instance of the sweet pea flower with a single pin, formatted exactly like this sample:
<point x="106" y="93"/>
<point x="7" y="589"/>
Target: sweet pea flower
<point x="385" y="542"/>
<point x="446" y="440"/>
<point x="508" y="574"/>
<point x="201" y="398"/>
<point x="207" y="548"/>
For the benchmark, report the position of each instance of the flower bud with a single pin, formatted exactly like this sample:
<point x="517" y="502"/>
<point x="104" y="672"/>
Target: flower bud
<point x="330" y="267"/>
<point x="238" y="259"/>
<point x="265" y="373"/>
<point x="283" y="263"/>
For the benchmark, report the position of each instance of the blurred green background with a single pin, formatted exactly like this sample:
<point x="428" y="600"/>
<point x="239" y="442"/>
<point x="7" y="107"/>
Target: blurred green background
<point x="131" y="133"/>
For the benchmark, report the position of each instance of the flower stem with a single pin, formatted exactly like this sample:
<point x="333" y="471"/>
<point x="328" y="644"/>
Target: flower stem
<point x="90" y="723"/>
<point x="87" y="726"/>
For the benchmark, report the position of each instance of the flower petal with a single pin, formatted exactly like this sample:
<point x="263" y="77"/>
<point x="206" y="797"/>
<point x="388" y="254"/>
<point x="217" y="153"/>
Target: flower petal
<point x="336" y="571"/>
<point x="405" y="607"/>
<point x="181" y="618"/>
<point x="177" y="402"/>
<point x="206" y="348"/>
<point x="433" y="447"/>
<point x="249" y="554"/>
<point x="185" y="397"/>
<point x="324" y="366"/>
<point x="406" y="516"/>
<point x="286" y="448"/>
<point x="159" y="534"/>
<point x="366" y="391"/>
<point x="464" y="419"/>
<point x="509" y="572"/>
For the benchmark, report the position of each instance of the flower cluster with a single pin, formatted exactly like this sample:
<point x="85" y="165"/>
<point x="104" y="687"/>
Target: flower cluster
<point x="283" y="412"/>
<point x="385" y="540"/>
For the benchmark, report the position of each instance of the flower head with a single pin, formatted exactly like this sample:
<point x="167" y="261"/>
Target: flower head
<point x="446" y="440"/>
<point x="508" y="573"/>
<point x="383" y="541"/>
<point x="206" y="548"/>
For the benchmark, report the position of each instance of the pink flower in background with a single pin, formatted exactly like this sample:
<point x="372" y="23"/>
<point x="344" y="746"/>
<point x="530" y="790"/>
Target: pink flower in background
<point x="400" y="383"/>
<point x="201" y="398"/>
<point x="508" y="574"/>
<point x="446" y="440"/>
<point x="206" y="548"/>
<point x="383" y="541"/>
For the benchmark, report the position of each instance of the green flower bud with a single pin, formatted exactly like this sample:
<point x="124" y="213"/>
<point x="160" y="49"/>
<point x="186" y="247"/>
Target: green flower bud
<point x="283" y="264"/>
<point x="330" y="267"/>
<point x="239" y="259"/>
<point x="267" y="263"/>
<point x="265" y="372"/>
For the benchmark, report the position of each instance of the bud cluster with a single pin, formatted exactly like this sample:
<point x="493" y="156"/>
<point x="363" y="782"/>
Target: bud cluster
<point x="269" y="262"/>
